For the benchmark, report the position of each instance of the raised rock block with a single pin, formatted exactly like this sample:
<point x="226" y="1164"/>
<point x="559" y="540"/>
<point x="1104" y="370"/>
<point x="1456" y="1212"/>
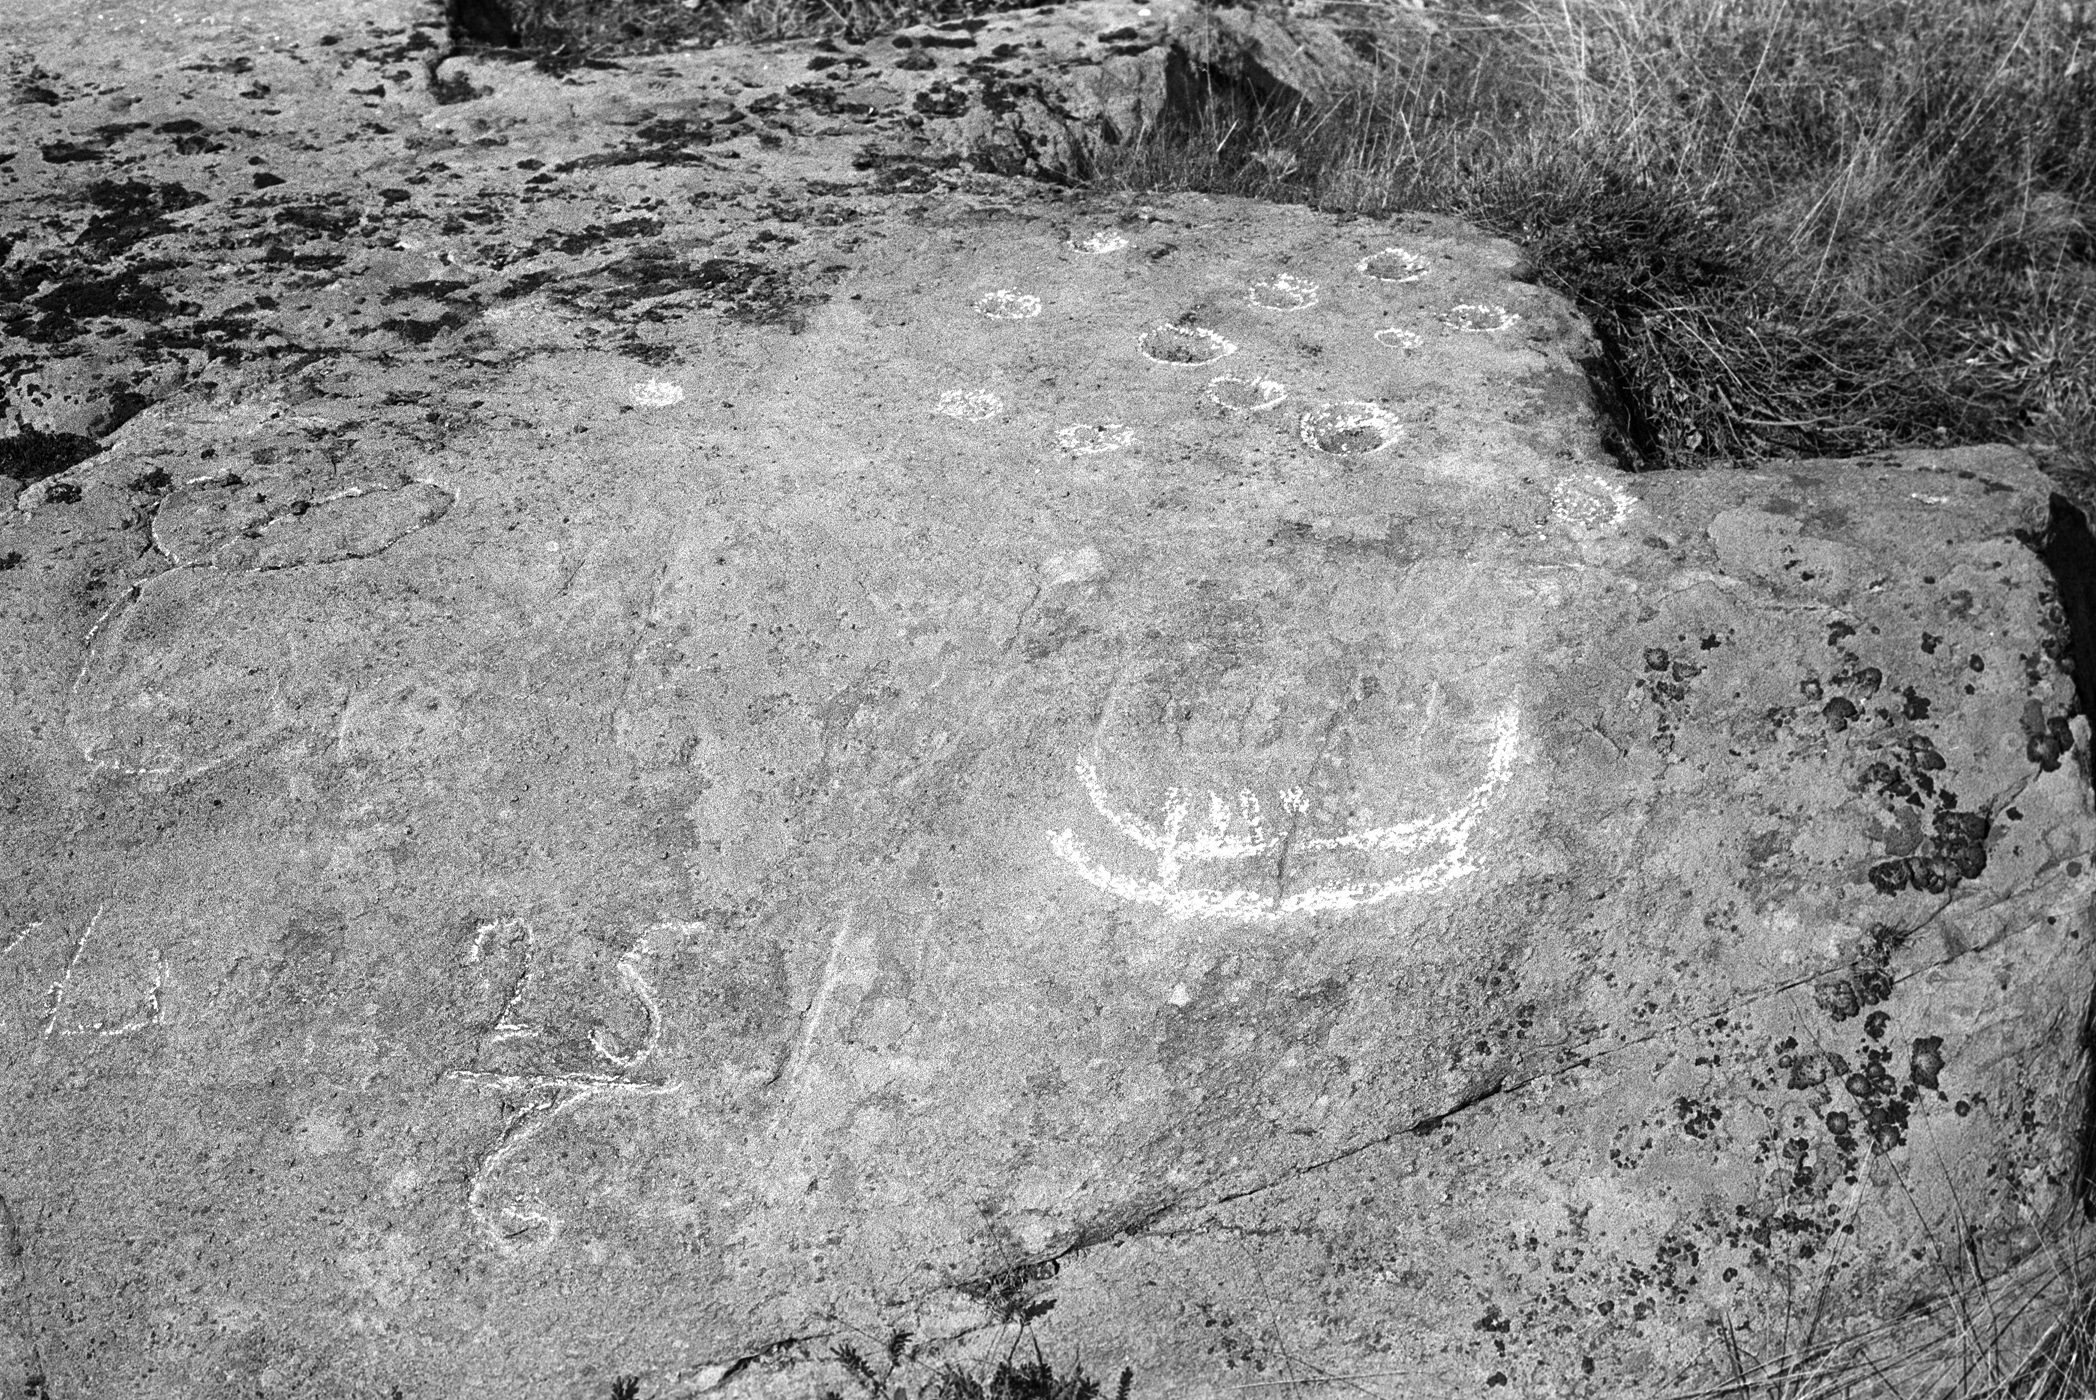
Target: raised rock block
<point x="644" y="805"/>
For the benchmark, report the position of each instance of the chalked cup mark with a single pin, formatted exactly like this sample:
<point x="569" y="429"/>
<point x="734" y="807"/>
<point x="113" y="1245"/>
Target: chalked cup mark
<point x="1005" y="304"/>
<point x="1283" y="293"/>
<point x="1589" y="503"/>
<point x="969" y="405"/>
<point x="1398" y="338"/>
<point x="1393" y="265"/>
<point x="1090" y="439"/>
<point x="1350" y="429"/>
<point x="1184" y="345"/>
<point x="1097" y="243"/>
<point x="1241" y="395"/>
<point x="655" y="393"/>
<point x="1478" y="319"/>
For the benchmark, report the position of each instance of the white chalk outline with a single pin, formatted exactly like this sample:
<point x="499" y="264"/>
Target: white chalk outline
<point x="811" y="1023"/>
<point x="1280" y="392"/>
<point x="484" y="946"/>
<point x="1456" y="319"/>
<point x="1563" y="509"/>
<point x="1223" y="347"/>
<point x="1004" y="304"/>
<point x="969" y="405"/>
<point x="655" y="393"/>
<point x="54" y="999"/>
<point x="1284" y="284"/>
<point x="1346" y="417"/>
<point x="1398" y="338"/>
<point x="555" y="1093"/>
<point x="177" y="566"/>
<point x="1097" y="243"/>
<point x="1415" y="266"/>
<point x="1106" y="437"/>
<point x="1176" y="850"/>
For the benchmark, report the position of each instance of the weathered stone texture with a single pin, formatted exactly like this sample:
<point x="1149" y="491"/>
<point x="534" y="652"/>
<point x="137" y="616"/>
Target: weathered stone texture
<point x="693" y="758"/>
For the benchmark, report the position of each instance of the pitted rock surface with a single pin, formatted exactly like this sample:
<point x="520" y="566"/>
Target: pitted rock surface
<point x="669" y="760"/>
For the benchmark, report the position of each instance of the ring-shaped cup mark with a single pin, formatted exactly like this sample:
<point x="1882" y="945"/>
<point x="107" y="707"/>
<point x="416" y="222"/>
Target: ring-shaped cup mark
<point x="970" y="405"/>
<point x="655" y="393"/>
<point x="1283" y="293"/>
<point x="1393" y="265"/>
<point x="1090" y="439"/>
<point x="1590" y="503"/>
<point x="1350" y="429"/>
<point x="1098" y="242"/>
<point x="1241" y="395"/>
<point x="1184" y="345"/>
<point x="1473" y="318"/>
<point x="1004" y="304"/>
<point x="1398" y="338"/>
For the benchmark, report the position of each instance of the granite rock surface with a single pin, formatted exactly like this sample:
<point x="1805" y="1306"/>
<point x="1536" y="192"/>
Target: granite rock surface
<point x="646" y="730"/>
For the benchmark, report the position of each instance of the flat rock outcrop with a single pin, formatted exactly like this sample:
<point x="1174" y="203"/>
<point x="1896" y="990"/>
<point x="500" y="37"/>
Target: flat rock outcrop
<point x="662" y="740"/>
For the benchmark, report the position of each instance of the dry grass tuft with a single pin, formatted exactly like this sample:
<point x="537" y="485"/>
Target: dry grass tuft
<point x="1802" y="227"/>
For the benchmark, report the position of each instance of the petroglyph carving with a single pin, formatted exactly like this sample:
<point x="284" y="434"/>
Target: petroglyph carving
<point x="543" y="1075"/>
<point x="1087" y="439"/>
<point x="655" y="393"/>
<point x="61" y="1020"/>
<point x="1099" y="242"/>
<point x="1393" y="265"/>
<point x="1284" y="293"/>
<point x="1239" y="834"/>
<point x="811" y="1023"/>
<point x="1184" y="345"/>
<point x="1398" y="338"/>
<point x="1350" y="429"/>
<point x="1478" y="319"/>
<point x="1245" y="395"/>
<point x="1007" y="305"/>
<point x="230" y="522"/>
<point x="1590" y="503"/>
<point x="969" y="405"/>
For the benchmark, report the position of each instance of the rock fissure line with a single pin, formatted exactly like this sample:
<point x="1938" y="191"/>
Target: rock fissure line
<point x="17" y="1303"/>
<point x="1297" y="810"/>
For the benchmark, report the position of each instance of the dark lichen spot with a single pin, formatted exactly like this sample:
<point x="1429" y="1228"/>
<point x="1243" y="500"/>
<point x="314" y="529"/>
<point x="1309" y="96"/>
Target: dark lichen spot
<point x="1836" y="997"/>
<point x="1183" y="345"/>
<point x="31" y="455"/>
<point x="1863" y="680"/>
<point x="129" y="212"/>
<point x="1925" y="1063"/>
